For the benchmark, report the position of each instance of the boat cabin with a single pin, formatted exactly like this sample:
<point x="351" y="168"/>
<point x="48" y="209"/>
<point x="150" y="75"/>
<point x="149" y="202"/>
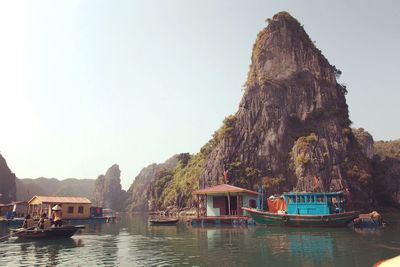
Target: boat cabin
<point x="314" y="203"/>
<point x="225" y="200"/>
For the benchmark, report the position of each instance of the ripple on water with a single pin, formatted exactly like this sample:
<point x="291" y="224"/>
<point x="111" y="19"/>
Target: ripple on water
<point x="133" y="243"/>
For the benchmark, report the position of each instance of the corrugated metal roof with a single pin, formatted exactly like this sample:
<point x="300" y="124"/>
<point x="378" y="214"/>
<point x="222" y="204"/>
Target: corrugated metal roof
<point x="223" y="188"/>
<point x="51" y="199"/>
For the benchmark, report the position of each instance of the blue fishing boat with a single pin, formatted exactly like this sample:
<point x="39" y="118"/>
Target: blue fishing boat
<point x="307" y="210"/>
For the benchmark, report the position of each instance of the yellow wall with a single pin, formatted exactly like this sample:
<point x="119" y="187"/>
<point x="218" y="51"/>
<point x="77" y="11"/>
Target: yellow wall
<point x="75" y="214"/>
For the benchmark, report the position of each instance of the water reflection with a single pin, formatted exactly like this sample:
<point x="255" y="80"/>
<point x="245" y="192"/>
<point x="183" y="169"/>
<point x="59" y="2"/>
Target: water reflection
<point x="134" y="242"/>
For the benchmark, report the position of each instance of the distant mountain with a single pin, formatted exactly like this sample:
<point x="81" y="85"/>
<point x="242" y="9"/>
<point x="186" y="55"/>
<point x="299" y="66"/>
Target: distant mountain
<point x="27" y="188"/>
<point x="7" y="182"/>
<point x="107" y="190"/>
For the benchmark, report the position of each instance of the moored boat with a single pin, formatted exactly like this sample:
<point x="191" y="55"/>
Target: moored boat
<point x="51" y="232"/>
<point x="164" y="221"/>
<point x="307" y="210"/>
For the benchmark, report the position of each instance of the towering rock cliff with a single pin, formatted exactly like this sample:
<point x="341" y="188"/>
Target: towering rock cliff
<point x="7" y="182"/>
<point x="108" y="192"/>
<point x="292" y="129"/>
<point x="138" y="192"/>
<point x="366" y="141"/>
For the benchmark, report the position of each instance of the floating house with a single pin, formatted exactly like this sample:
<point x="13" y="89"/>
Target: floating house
<point x="5" y="210"/>
<point x="14" y="209"/>
<point x="223" y="204"/>
<point x="72" y="207"/>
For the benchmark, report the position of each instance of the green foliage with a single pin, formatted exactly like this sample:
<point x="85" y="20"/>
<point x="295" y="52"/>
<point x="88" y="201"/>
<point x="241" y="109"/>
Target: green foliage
<point x="228" y="125"/>
<point x="243" y="176"/>
<point x="302" y="159"/>
<point x="337" y="72"/>
<point x="388" y="149"/>
<point x="273" y="185"/>
<point x="360" y="175"/>
<point x="175" y="187"/>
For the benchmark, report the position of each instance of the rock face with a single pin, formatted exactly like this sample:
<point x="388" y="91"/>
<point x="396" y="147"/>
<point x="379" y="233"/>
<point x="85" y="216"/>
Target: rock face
<point x="366" y="141"/>
<point x="7" y="183"/>
<point x="138" y="192"/>
<point x="386" y="167"/>
<point x="108" y="192"/>
<point x="292" y="127"/>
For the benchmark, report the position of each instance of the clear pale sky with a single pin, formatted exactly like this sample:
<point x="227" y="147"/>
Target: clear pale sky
<point x="86" y="84"/>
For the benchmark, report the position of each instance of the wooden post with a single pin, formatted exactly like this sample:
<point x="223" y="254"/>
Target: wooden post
<point x="237" y="204"/>
<point x="206" y="206"/>
<point x="229" y="204"/>
<point x="198" y="206"/>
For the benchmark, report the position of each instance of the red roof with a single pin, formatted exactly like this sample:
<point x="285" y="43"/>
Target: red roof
<point x="56" y="200"/>
<point x="223" y="188"/>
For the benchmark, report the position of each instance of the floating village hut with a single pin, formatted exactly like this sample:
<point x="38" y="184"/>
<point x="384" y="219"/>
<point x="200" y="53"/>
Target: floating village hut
<point x="14" y="209"/>
<point x="72" y="207"/>
<point x="223" y="204"/>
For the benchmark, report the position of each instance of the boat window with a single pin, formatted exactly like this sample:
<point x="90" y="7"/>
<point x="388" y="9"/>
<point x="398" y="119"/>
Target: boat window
<point x="330" y="199"/>
<point x="290" y="200"/>
<point x="319" y="199"/>
<point x="301" y="199"/>
<point x="298" y="199"/>
<point x="293" y="199"/>
<point x="70" y="209"/>
<point x="311" y="198"/>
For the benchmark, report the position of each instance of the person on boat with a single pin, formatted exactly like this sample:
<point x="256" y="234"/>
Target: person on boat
<point x="57" y="216"/>
<point x="42" y="220"/>
<point x="25" y="223"/>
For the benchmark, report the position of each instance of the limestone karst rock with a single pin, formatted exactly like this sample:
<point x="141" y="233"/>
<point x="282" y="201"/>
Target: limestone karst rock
<point x="108" y="192"/>
<point x="7" y="182"/>
<point x="138" y="192"/>
<point x="366" y="141"/>
<point x="292" y="130"/>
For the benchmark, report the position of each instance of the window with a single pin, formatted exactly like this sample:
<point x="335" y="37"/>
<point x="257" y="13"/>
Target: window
<point x="252" y="203"/>
<point x="80" y="209"/>
<point x="70" y="209"/>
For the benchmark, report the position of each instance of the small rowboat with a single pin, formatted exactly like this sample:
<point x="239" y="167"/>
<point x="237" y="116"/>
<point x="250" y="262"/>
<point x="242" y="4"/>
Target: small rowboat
<point x="52" y="232"/>
<point x="164" y="221"/>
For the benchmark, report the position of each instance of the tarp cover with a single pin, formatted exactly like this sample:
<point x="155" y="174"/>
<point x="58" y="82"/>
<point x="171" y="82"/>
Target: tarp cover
<point x="275" y="204"/>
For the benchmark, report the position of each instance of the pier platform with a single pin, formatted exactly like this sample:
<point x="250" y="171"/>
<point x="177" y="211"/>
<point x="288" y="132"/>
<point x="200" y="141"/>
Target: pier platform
<point x="216" y="220"/>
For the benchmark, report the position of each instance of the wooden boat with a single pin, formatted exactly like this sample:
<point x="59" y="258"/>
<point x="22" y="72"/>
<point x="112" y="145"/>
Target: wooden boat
<point x="307" y="210"/>
<point x="164" y="221"/>
<point x="52" y="232"/>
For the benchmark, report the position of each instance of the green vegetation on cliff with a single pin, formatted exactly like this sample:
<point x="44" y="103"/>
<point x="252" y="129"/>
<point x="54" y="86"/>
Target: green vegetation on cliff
<point x="388" y="149"/>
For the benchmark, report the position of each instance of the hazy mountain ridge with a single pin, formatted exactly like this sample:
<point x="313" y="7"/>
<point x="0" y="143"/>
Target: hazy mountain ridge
<point x="27" y="188"/>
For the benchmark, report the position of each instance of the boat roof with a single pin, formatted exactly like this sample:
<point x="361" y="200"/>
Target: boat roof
<point x="313" y="193"/>
<point x="58" y="200"/>
<point x="223" y="188"/>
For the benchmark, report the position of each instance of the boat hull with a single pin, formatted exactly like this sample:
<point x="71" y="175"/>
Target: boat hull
<point x="295" y="220"/>
<point x="163" y="221"/>
<point x="53" y="232"/>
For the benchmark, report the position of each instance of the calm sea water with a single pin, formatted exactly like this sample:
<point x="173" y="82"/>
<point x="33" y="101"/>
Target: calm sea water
<point x="133" y="242"/>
